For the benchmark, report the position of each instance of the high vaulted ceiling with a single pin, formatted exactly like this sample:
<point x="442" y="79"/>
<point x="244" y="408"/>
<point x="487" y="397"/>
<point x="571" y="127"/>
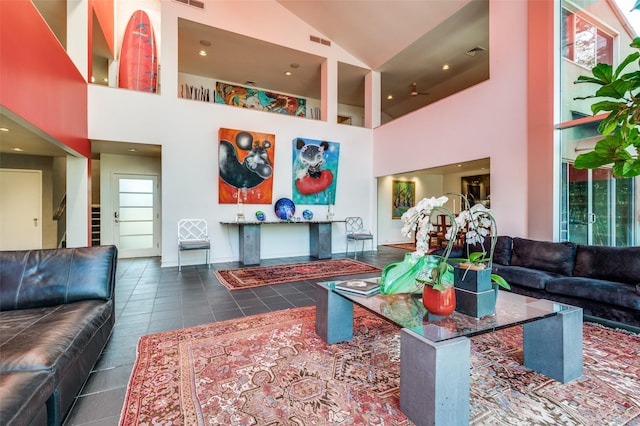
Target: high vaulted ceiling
<point x="407" y="41"/>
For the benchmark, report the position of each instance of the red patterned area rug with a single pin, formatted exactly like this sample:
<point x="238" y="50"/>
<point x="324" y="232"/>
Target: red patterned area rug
<point x="257" y="276"/>
<point x="272" y="369"/>
<point x="403" y="246"/>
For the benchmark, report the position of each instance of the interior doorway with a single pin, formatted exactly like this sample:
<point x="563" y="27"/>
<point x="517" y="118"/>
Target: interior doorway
<point x="136" y="217"/>
<point x="20" y="209"/>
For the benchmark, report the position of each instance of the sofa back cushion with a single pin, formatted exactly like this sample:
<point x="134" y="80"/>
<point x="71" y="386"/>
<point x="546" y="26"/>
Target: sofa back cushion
<point x="621" y="264"/>
<point x="501" y="251"/>
<point x="35" y="278"/>
<point x="558" y="257"/>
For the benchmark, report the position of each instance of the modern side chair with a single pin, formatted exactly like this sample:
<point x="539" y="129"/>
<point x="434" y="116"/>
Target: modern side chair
<point x="355" y="233"/>
<point x="193" y="235"/>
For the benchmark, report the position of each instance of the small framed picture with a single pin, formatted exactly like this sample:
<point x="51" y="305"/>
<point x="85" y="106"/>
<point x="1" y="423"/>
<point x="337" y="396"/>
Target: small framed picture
<point x="403" y="197"/>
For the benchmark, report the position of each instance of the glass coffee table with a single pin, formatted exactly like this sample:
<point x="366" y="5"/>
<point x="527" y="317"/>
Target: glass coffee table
<point x="435" y="351"/>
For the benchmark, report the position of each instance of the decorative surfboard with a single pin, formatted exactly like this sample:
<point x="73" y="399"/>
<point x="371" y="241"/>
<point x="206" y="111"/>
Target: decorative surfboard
<point x="138" y="57"/>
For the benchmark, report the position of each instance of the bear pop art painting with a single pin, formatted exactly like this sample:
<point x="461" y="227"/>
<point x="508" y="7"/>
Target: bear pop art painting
<point x="315" y="171"/>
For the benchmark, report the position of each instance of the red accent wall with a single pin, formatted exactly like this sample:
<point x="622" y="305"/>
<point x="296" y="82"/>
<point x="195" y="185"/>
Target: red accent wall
<point x="105" y="16"/>
<point x="38" y="81"/>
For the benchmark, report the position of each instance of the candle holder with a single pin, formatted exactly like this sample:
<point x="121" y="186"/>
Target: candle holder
<point x="241" y="196"/>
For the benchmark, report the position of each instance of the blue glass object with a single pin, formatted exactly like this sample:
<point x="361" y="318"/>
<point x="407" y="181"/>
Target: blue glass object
<point x="260" y="215"/>
<point x="285" y="209"/>
<point x="307" y="215"/>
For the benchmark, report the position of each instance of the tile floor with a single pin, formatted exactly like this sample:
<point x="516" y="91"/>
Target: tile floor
<point x="151" y="299"/>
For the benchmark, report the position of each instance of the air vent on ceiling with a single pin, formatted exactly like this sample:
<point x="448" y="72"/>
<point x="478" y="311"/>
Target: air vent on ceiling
<point x="319" y="40"/>
<point x="475" y="51"/>
<point x="195" y="3"/>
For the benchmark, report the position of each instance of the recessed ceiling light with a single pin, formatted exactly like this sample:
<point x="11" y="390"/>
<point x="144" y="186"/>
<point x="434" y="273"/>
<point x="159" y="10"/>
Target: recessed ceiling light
<point x="445" y="67"/>
<point x="205" y="42"/>
<point x="459" y="165"/>
<point x="294" y="65"/>
<point x="132" y="150"/>
<point x="287" y="73"/>
<point x="389" y="97"/>
<point x="106" y="80"/>
<point x="250" y="83"/>
<point x="17" y="149"/>
<point x="3" y="129"/>
<point x="202" y="53"/>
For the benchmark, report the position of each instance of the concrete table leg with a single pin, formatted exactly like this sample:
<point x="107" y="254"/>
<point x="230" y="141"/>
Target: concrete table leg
<point x="434" y="379"/>
<point x="249" y="245"/>
<point x="320" y="240"/>
<point x="553" y="346"/>
<point x="334" y="316"/>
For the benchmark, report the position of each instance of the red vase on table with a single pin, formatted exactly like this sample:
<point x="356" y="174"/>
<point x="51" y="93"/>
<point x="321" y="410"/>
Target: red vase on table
<point x="439" y="302"/>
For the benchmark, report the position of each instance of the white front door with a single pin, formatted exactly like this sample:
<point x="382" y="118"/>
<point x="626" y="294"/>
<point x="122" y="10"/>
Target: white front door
<point x="136" y="218"/>
<point x="20" y="209"/>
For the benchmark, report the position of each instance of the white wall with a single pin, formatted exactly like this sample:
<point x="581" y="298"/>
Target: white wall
<point x="188" y="134"/>
<point x="486" y="120"/>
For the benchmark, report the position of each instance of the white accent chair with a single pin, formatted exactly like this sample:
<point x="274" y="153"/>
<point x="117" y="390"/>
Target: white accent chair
<point x="193" y="235"/>
<point x="355" y="233"/>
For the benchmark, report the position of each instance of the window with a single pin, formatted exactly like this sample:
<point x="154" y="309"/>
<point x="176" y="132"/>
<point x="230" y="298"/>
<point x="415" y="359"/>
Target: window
<point x="583" y="42"/>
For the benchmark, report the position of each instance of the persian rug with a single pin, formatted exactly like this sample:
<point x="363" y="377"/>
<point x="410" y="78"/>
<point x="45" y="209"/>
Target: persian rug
<point x="272" y="369"/>
<point x="403" y="246"/>
<point x="257" y="276"/>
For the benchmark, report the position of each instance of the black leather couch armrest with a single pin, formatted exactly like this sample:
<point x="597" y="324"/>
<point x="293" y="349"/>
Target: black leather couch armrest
<point x="48" y="277"/>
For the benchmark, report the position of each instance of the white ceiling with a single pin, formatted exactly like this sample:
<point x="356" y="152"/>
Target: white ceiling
<point x="407" y="41"/>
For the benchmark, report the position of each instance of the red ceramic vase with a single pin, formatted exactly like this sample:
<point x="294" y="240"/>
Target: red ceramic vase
<point x="439" y="302"/>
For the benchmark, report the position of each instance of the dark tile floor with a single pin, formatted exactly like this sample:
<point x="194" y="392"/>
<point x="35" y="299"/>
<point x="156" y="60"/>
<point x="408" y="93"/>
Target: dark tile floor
<point x="151" y="299"/>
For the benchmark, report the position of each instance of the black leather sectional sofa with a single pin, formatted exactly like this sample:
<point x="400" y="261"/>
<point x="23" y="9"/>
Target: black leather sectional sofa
<point x="603" y="281"/>
<point x="56" y="315"/>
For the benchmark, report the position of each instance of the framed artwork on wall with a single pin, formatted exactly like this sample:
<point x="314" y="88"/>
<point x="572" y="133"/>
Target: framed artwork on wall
<point x="403" y="197"/>
<point x="315" y="171"/>
<point x="245" y="164"/>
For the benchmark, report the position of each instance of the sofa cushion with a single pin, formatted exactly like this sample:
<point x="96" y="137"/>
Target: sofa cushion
<point x="503" y="250"/>
<point x="34" y="278"/>
<point x="524" y="277"/>
<point x="556" y="257"/>
<point x="50" y="337"/>
<point x="621" y="264"/>
<point x="23" y="395"/>
<point x="609" y="292"/>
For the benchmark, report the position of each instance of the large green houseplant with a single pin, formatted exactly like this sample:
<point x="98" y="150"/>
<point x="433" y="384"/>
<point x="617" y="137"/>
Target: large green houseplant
<point x="618" y="94"/>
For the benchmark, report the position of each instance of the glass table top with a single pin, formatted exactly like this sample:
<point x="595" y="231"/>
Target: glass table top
<point x="407" y="310"/>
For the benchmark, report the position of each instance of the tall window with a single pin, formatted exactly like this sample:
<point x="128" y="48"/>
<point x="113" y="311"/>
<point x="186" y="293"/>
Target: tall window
<point x="583" y="42"/>
<point x="595" y="207"/>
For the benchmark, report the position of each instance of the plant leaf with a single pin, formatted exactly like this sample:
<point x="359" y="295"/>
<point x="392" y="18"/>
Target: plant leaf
<point x="632" y="57"/>
<point x="590" y="160"/>
<point x="500" y="281"/>
<point x="603" y="72"/>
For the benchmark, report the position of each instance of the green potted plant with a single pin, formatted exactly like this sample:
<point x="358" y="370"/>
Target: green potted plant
<point x="475" y="284"/>
<point x="618" y="94"/>
<point x="474" y="272"/>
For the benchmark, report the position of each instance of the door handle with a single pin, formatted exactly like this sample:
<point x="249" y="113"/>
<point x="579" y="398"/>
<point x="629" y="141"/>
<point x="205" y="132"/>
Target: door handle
<point x="592" y="218"/>
<point x="115" y="217"/>
<point x="35" y="222"/>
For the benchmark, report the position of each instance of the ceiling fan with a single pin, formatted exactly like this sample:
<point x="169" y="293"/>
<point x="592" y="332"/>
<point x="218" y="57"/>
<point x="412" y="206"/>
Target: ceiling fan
<point x="414" y="90"/>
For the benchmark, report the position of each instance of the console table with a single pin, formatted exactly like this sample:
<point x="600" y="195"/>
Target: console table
<point x="249" y="238"/>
